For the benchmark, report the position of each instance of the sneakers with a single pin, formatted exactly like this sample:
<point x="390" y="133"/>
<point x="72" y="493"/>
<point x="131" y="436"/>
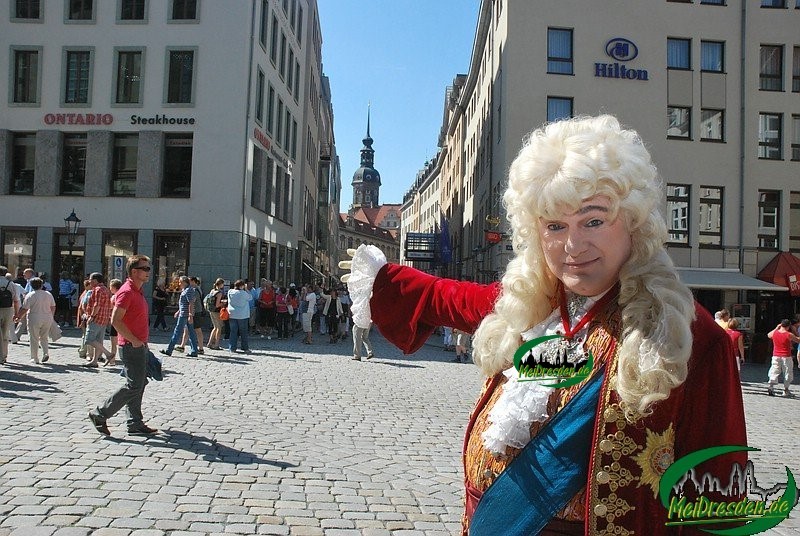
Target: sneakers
<point x="141" y="429"/>
<point x="99" y="424"/>
<point x="356" y="358"/>
<point x="770" y="390"/>
<point x="162" y="351"/>
<point x="180" y="348"/>
<point x="191" y="354"/>
<point x="370" y="356"/>
<point x="45" y="357"/>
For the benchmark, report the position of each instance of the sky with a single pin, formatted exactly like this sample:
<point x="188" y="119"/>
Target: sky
<point x="399" y="57"/>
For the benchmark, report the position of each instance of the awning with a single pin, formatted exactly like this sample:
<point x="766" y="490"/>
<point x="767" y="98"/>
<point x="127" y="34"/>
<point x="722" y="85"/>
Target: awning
<point x="783" y="269"/>
<point x="724" y="279"/>
<point x="313" y="271"/>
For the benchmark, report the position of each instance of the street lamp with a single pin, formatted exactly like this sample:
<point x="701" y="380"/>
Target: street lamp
<point x="71" y="224"/>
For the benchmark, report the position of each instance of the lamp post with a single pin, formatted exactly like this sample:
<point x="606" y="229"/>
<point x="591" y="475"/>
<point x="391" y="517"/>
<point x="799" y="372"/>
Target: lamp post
<point x="71" y="224"/>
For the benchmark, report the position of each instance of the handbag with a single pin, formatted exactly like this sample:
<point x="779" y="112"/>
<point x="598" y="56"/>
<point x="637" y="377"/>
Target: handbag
<point x="55" y="331"/>
<point x="224" y="314"/>
<point x="289" y="309"/>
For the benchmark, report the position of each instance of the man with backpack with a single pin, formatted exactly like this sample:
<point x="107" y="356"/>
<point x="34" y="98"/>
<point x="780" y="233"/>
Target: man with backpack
<point x="9" y="306"/>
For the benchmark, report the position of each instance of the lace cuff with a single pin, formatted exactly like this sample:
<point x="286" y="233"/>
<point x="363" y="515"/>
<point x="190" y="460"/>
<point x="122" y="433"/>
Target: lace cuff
<point x="366" y="264"/>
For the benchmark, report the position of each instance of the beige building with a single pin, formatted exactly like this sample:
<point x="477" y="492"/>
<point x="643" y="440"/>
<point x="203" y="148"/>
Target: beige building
<point x="197" y="132"/>
<point x="713" y="87"/>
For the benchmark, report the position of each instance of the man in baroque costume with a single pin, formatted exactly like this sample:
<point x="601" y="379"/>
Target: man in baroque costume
<point x="590" y="269"/>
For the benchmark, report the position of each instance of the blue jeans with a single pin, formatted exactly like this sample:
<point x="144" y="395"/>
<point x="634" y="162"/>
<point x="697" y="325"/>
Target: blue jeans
<point x="177" y="333"/>
<point x="239" y="329"/>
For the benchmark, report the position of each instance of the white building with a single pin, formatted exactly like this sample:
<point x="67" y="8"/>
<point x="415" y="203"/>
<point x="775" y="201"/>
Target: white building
<point x="186" y="130"/>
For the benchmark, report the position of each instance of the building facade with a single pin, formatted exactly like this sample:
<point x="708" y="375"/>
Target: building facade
<point x="186" y="130"/>
<point x="712" y="86"/>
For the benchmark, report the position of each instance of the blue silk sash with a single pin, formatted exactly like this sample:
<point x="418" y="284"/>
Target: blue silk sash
<point x="548" y="472"/>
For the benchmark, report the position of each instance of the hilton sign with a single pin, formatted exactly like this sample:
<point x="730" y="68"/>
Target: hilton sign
<point x="622" y="50"/>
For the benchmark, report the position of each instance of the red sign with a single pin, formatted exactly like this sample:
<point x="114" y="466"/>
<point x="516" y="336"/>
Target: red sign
<point x="262" y="138"/>
<point x="78" y="119"/>
<point x="493" y="237"/>
<point x="794" y="284"/>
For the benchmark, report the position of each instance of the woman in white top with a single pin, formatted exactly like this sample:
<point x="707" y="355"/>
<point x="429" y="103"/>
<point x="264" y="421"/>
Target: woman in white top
<point x="39" y="306"/>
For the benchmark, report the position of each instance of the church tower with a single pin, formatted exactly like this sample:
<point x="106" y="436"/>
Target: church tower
<point x="366" y="179"/>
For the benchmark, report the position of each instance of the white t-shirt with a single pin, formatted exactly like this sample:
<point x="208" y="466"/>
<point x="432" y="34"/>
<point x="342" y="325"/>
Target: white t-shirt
<point x="311" y="298"/>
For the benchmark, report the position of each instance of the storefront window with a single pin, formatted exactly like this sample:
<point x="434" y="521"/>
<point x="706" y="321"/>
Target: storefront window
<point x="252" y="248"/>
<point x="264" y="259"/>
<point x="171" y="260"/>
<point x="68" y="257"/>
<point x="19" y="249"/>
<point x="117" y="245"/>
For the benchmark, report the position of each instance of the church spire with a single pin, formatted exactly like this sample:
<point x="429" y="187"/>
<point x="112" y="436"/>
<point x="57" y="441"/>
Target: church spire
<point x="366" y="179"/>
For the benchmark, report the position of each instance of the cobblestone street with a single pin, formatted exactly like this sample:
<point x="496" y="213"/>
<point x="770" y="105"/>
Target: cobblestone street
<point x="292" y="439"/>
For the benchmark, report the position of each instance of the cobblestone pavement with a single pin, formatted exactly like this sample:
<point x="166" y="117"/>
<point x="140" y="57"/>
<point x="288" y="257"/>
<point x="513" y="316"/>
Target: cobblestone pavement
<point x="292" y="439"/>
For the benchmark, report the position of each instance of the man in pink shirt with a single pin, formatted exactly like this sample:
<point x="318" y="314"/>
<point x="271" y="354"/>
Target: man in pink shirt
<point x="782" y="339"/>
<point x="130" y="318"/>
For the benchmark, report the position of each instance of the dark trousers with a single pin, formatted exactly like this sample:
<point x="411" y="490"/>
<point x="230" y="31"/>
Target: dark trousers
<point x="160" y="321"/>
<point x="134" y="363"/>
<point x="283" y="325"/>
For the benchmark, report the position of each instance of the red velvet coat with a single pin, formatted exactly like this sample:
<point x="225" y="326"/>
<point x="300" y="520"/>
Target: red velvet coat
<point x="626" y="459"/>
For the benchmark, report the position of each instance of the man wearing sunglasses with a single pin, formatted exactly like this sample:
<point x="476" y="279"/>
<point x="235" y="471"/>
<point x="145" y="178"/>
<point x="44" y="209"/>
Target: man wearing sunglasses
<point x="130" y="319"/>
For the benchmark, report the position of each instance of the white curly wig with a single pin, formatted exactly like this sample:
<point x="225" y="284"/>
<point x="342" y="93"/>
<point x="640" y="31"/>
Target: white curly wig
<point x="558" y="167"/>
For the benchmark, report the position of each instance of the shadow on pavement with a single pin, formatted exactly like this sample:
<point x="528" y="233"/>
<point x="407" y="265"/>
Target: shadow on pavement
<point x="209" y="449"/>
<point x="15" y="381"/>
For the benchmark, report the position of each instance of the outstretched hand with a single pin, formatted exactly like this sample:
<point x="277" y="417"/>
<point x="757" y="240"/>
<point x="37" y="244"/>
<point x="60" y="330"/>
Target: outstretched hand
<point x="366" y="262"/>
<point x="347" y="265"/>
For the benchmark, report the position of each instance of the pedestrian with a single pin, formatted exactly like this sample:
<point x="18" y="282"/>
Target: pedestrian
<point x="344" y="324"/>
<point x="447" y="338"/>
<point x="22" y="327"/>
<point x="361" y="338"/>
<point x="266" y="309"/>
<point x="66" y="290"/>
<point x="308" y="306"/>
<point x="9" y="308"/>
<point x="39" y="306"/>
<point x="160" y="296"/>
<point x="461" y="340"/>
<point x="737" y="341"/>
<point x="293" y="302"/>
<point x="98" y="317"/>
<point x="83" y="301"/>
<point x="185" y="317"/>
<point x="782" y="364"/>
<point x="239" y="310"/>
<point x="131" y="320"/>
<point x="589" y="272"/>
<point x="722" y="317"/>
<point x="255" y="292"/>
<point x="282" y="313"/>
<point x="213" y="305"/>
<point x="201" y="318"/>
<point x="113" y="286"/>
<point x="332" y="313"/>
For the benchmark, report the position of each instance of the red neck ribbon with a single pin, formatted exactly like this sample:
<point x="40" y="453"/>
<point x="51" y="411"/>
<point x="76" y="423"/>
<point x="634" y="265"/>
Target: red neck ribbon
<point x="569" y="332"/>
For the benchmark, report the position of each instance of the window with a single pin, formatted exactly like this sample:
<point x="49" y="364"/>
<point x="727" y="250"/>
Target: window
<point x="123" y="172"/>
<point x="287" y="135"/>
<point x="263" y="27"/>
<point x="271" y="109"/>
<point x="290" y="71"/>
<point x="129" y="77"/>
<point x="299" y="31"/>
<point x="713" y="2"/>
<point x="117" y="244"/>
<point x="26" y="77"/>
<point x="294" y="139"/>
<point x="170" y="256"/>
<point x="80" y="10"/>
<point x="712" y="56"/>
<point x="177" y="165"/>
<point x="77" y="83"/>
<point x="273" y="43"/>
<point x="279" y="127"/>
<point x="769" y="202"/>
<point x="559" y="51"/>
<point x="712" y="125"/>
<point x="710" y="216"/>
<point x="19" y="246"/>
<point x="132" y="10"/>
<point x="261" y="193"/>
<point x="796" y="138"/>
<point x="794" y="221"/>
<point x="679" y="53"/>
<point x="27" y="9"/>
<point x="773" y="3"/>
<point x="183" y="10"/>
<point x="796" y="69"/>
<point x="559" y="108"/>
<point x="771" y="72"/>
<point x="180" y="76"/>
<point x="769" y="136"/>
<point x="260" y="97"/>
<point x="678" y="213"/>
<point x="282" y="59"/>
<point x="296" y="81"/>
<point x="679" y="122"/>
<point x="23" y="163"/>
<point x="73" y="168"/>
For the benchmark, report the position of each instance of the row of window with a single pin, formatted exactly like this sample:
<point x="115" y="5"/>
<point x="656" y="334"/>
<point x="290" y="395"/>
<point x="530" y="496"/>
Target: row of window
<point x="85" y="11"/>
<point x="176" y="178"/>
<point x="560" y="58"/>
<point x="279" y="120"/>
<point x="711" y="211"/>
<point x="77" y="76"/>
<point x="293" y="15"/>
<point x="272" y="187"/>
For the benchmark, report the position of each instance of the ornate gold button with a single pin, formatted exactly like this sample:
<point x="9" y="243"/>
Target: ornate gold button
<point x="610" y="415"/>
<point x="615" y="466"/>
<point x="600" y="510"/>
<point x="619" y="436"/>
<point x="606" y="445"/>
<point x="602" y="477"/>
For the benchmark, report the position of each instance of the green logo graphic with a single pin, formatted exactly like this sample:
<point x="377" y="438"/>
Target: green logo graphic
<point x="545" y="371"/>
<point x="757" y="516"/>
